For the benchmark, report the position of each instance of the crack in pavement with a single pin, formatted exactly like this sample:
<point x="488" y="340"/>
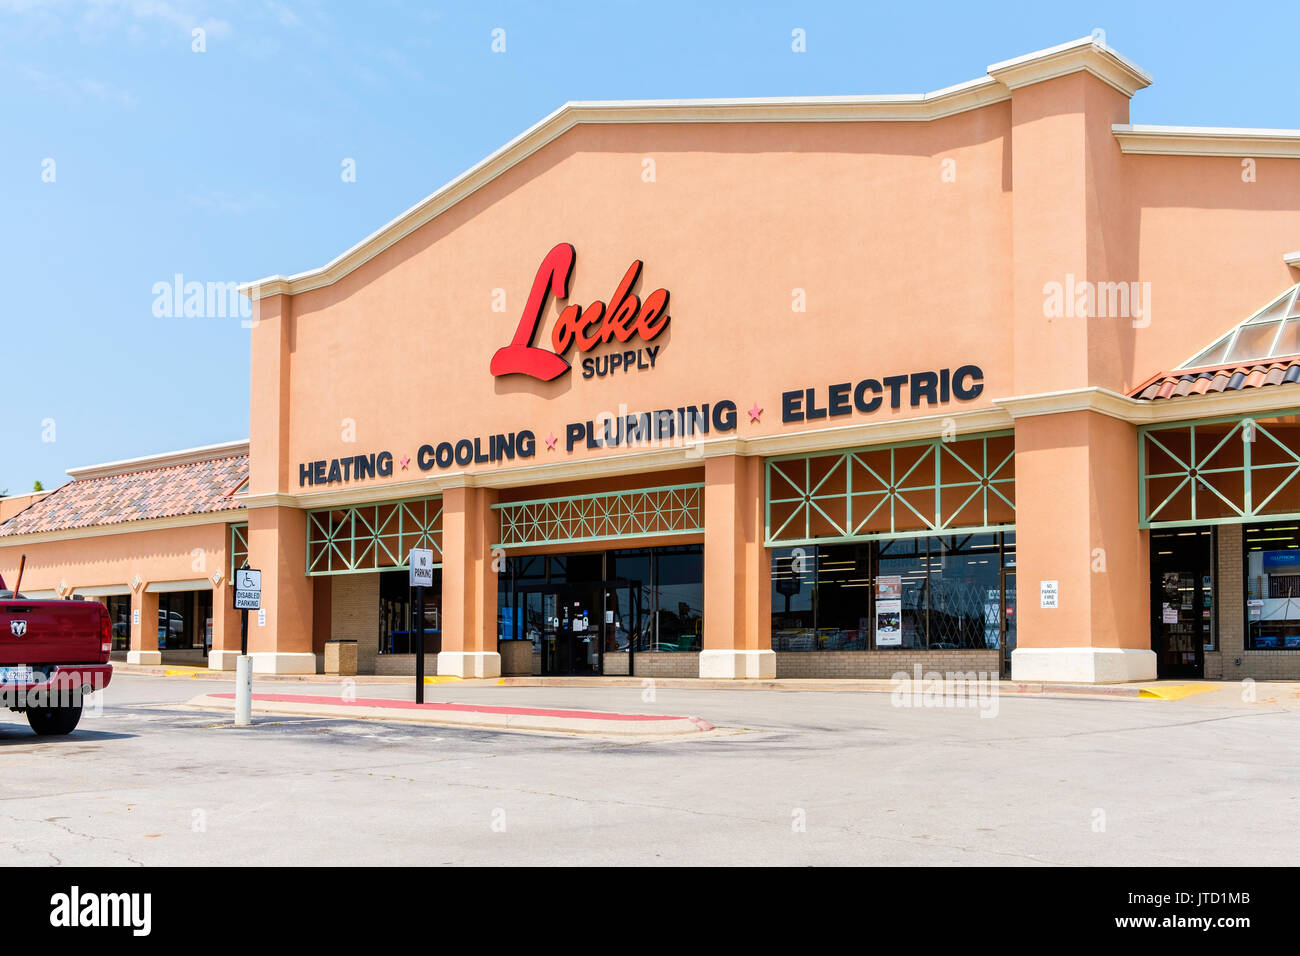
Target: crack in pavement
<point x="88" y="837"/>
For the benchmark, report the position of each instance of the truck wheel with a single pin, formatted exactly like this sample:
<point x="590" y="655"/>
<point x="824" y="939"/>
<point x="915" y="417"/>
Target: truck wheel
<point x="54" y="721"/>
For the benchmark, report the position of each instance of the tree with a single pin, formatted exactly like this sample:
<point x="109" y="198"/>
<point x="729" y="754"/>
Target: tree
<point x="38" y="486"/>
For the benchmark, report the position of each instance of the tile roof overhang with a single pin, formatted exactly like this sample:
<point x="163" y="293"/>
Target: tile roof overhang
<point x="1234" y="376"/>
<point x="192" y="488"/>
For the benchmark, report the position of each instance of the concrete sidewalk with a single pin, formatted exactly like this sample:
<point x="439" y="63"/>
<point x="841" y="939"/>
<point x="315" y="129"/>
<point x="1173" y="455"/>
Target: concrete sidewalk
<point x="1146" y="690"/>
<point x="538" y="719"/>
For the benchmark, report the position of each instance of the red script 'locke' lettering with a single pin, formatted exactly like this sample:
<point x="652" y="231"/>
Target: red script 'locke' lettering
<point x="626" y="317"/>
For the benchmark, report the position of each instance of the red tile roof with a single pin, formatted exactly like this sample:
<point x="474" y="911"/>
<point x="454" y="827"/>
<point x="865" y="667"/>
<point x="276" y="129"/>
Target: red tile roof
<point x="193" y="488"/>
<point x="1225" y="378"/>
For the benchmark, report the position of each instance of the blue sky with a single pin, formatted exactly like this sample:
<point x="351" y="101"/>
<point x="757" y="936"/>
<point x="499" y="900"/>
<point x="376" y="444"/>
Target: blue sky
<point x="226" y="165"/>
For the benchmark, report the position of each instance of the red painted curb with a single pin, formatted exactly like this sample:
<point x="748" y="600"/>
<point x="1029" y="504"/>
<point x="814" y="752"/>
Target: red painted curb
<point x="460" y="708"/>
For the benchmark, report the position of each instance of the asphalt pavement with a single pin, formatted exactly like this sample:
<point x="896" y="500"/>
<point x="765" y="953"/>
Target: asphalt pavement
<point x="787" y="777"/>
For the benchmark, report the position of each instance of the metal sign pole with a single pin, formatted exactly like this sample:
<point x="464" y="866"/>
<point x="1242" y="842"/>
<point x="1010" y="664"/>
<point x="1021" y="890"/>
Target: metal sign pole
<point x="419" y="645"/>
<point x="421" y="565"/>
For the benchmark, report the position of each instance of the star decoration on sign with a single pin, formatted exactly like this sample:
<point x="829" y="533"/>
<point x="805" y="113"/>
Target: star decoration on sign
<point x="755" y="413"/>
<point x="550" y="442"/>
<point x="406" y="461"/>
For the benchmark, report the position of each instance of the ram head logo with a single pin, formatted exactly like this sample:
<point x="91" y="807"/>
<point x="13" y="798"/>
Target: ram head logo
<point x="18" y="628"/>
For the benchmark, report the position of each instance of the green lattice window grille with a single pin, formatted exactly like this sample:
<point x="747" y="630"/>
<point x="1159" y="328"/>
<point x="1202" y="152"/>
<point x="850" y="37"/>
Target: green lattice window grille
<point x="1219" y="470"/>
<point x="642" y="513"/>
<point x="372" y="537"/>
<point x="238" y="547"/>
<point x="892" y="491"/>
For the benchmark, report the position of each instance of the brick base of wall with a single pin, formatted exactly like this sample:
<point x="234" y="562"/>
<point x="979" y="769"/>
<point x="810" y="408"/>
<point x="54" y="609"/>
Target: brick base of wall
<point x="1213" y="665"/>
<point x="1258" y="665"/>
<point x="813" y="664"/>
<point x="666" y="664"/>
<point x="354" y="616"/>
<point x="403" y="665"/>
<point x="885" y="664"/>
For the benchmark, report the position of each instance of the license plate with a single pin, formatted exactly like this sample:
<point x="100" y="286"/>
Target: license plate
<point x="16" y="675"/>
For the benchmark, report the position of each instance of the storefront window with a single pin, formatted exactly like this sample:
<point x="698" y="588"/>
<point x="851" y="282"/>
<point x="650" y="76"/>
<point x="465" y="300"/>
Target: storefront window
<point x="119" y="613"/>
<point x="1272" y="566"/>
<point x="397" y="631"/>
<point x="578" y="568"/>
<point x="679" y="590"/>
<point x="176" y="620"/>
<point x="638" y="599"/>
<point x="794" y="576"/>
<point x="908" y="561"/>
<point x="628" y="599"/>
<point x="520" y="615"/>
<point x="936" y="593"/>
<point x="843" y="602"/>
<point x="965" y="593"/>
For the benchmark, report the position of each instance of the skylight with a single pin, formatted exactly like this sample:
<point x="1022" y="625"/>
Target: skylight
<point x="1270" y="333"/>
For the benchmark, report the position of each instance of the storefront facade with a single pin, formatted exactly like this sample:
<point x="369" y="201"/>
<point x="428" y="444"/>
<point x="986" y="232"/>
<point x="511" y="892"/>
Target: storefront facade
<point x="807" y="388"/>
<point x="153" y="539"/>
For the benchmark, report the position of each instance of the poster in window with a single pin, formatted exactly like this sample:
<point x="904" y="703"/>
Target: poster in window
<point x="889" y="623"/>
<point x="1170" y="614"/>
<point x="889" y="587"/>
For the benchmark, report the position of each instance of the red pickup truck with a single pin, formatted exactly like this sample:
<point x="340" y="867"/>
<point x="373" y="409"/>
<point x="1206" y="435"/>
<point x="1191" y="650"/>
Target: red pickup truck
<point x="52" y="653"/>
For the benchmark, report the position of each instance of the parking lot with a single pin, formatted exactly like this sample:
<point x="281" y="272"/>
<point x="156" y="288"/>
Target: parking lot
<point x="788" y="778"/>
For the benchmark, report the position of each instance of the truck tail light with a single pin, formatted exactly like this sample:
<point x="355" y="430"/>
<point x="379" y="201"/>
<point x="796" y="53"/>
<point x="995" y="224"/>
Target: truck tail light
<point x="105" y="631"/>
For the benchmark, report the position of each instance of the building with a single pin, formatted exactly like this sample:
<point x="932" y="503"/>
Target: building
<point x="743" y="388"/>
<point x="151" y="538"/>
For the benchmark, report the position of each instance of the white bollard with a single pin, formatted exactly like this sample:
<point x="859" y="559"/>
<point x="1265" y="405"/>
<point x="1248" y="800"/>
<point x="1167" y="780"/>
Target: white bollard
<point x="243" y="691"/>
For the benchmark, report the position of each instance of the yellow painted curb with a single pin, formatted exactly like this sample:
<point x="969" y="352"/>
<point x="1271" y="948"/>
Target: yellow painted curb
<point x="1174" y="693"/>
<point x="179" y="672"/>
<point x="441" y="680"/>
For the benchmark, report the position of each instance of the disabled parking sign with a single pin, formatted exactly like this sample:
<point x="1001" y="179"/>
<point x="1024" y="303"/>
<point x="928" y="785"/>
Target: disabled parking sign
<point x="248" y="590"/>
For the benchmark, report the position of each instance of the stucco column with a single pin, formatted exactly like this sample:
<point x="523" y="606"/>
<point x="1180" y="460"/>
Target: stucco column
<point x="1077" y="526"/>
<point x="225" y="628"/>
<point x="277" y="546"/>
<point x="469" y="584"/>
<point x="144" y="628"/>
<point x="1074" y="227"/>
<point x="737" y="572"/>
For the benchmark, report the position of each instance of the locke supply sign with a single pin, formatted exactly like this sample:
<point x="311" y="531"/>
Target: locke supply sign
<point x="421" y="567"/>
<point x="248" y="589"/>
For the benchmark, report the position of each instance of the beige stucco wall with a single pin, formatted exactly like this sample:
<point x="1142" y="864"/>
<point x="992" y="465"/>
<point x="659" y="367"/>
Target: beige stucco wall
<point x="738" y="218"/>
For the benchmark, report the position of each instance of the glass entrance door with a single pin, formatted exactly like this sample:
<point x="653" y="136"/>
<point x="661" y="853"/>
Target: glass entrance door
<point x="571" y="634"/>
<point x="1182" y="600"/>
<point x="593" y="612"/>
<point x="625" y="615"/>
